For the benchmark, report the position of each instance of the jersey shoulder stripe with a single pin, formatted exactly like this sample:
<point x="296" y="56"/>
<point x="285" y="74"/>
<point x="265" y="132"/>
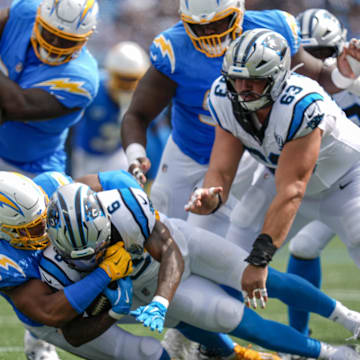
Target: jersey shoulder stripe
<point x="298" y="113"/>
<point x="49" y="267"/>
<point x="132" y="204"/>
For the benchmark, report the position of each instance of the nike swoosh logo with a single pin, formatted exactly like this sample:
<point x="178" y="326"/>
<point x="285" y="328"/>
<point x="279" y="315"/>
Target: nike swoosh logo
<point x="342" y="187"/>
<point x="127" y="300"/>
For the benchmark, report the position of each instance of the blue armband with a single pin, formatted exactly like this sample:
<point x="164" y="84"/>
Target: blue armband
<point x="117" y="179"/>
<point x="81" y="294"/>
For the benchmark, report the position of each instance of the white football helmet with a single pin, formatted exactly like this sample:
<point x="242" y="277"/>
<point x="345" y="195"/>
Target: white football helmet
<point x="78" y="227"/>
<point x="126" y="63"/>
<point x="22" y="212"/>
<point x="62" y="28"/>
<point x="320" y="29"/>
<point x="204" y="12"/>
<point x="256" y="54"/>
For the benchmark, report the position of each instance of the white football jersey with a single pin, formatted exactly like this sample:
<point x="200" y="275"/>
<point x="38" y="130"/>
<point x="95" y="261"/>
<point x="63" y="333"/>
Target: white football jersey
<point x="302" y="106"/>
<point x="132" y="214"/>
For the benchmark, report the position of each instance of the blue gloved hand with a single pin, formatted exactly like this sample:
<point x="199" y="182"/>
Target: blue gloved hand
<point x="152" y="315"/>
<point x="120" y="298"/>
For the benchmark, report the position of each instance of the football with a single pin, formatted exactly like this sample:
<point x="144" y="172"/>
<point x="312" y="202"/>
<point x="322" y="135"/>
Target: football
<point x="100" y="304"/>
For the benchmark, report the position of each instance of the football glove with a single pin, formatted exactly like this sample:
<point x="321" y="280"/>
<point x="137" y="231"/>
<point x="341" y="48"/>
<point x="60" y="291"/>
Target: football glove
<point x="117" y="262"/>
<point x="120" y="298"/>
<point x="152" y="315"/>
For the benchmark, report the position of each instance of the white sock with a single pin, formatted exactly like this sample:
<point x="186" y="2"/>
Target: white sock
<point x="348" y="318"/>
<point x="326" y="350"/>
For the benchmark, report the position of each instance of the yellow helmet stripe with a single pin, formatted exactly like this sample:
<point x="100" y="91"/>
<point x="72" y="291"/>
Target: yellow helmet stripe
<point x="89" y="4"/>
<point x="5" y="201"/>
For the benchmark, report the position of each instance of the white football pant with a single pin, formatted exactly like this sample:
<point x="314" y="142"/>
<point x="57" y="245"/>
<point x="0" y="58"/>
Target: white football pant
<point x="338" y="208"/>
<point x="176" y="179"/>
<point x="114" y="344"/>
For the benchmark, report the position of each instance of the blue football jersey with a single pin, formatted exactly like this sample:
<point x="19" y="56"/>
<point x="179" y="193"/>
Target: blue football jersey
<point x="38" y="146"/>
<point x="173" y="54"/>
<point x="17" y="267"/>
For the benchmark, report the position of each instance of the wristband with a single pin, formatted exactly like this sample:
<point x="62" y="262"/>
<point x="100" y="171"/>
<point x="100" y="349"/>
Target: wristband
<point x="218" y="205"/>
<point x="135" y="151"/>
<point x="161" y="300"/>
<point x="339" y="80"/>
<point x="262" y="252"/>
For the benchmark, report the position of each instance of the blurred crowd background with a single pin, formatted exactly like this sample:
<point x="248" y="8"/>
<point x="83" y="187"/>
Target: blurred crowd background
<point x="141" y="20"/>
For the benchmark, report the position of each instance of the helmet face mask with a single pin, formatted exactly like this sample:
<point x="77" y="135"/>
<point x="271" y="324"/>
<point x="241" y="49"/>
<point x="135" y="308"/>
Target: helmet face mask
<point x="22" y="212"/>
<point x="213" y="14"/>
<point x="61" y="29"/>
<point x="78" y="227"/>
<point x="322" y="34"/>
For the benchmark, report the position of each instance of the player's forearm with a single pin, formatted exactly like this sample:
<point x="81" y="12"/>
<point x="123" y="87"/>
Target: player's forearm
<point x="82" y="330"/>
<point x="133" y="130"/>
<point x="170" y="272"/>
<point x="282" y="212"/>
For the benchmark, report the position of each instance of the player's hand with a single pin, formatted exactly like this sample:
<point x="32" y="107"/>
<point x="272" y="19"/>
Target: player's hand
<point x="152" y="315"/>
<point x="204" y="200"/>
<point x="348" y="61"/>
<point x="253" y="285"/>
<point x="138" y="168"/>
<point x="120" y="298"/>
<point x="117" y="262"/>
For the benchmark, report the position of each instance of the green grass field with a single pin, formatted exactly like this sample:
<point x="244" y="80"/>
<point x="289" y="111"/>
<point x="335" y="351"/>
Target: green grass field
<point x="340" y="280"/>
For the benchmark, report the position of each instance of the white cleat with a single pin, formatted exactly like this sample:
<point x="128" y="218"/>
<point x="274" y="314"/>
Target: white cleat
<point x="178" y="346"/>
<point x="348" y="318"/>
<point x="345" y="353"/>
<point x="36" y="349"/>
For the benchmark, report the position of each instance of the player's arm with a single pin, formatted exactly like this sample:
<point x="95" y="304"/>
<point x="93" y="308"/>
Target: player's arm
<point x="152" y="95"/>
<point x="225" y="156"/>
<point x="162" y="247"/>
<point x="4" y="16"/>
<point x="314" y="68"/>
<point x="37" y="300"/>
<point x="295" y="167"/>
<point x="82" y="330"/>
<point x="333" y="78"/>
<point x="31" y="104"/>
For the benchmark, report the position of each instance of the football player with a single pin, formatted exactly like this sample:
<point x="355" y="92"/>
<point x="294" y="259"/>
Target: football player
<point x="323" y="36"/>
<point x="290" y="124"/>
<point x="47" y="79"/>
<point x="41" y="310"/>
<point x="193" y="296"/>
<point x="186" y="59"/>
<point x="97" y="145"/>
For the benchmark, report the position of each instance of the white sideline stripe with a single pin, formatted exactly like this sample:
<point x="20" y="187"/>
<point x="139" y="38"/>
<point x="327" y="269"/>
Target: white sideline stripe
<point x="11" y="349"/>
<point x="14" y="349"/>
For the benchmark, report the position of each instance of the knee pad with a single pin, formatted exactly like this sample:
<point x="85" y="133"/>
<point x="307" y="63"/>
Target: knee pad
<point x="150" y="348"/>
<point x="228" y="314"/>
<point x="310" y="241"/>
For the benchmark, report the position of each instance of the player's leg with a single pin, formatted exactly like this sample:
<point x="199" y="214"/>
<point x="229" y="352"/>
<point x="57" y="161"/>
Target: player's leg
<point x="175" y="180"/>
<point x="203" y="304"/>
<point x="36" y="348"/>
<point x="114" y="344"/>
<point x="305" y="249"/>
